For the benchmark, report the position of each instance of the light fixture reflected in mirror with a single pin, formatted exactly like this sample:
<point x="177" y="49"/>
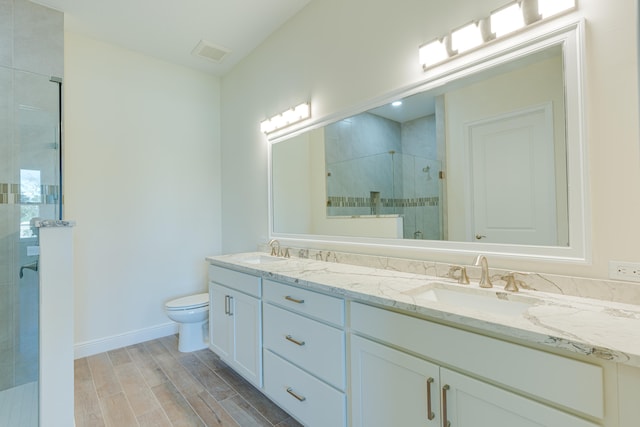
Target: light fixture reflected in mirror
<point x="291" y="116"/>
<point x="507" y="19"/>
<point x="548" y="8"/>
<point x="466" y="38"/>
<point x="502" y="22"/>
<point x="433" y="53"/>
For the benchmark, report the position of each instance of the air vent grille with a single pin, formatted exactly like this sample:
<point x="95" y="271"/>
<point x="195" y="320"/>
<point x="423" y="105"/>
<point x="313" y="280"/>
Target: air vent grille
<point x="210" y="51"/>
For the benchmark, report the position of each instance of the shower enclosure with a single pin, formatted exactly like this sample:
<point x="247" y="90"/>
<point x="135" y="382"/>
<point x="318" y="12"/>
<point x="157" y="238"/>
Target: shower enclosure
<point x="389" y="183"/>
<point x="30" y="187"/>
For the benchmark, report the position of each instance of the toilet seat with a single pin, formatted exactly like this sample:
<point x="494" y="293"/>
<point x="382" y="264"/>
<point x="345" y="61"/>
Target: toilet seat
<point x="189" y="302"/>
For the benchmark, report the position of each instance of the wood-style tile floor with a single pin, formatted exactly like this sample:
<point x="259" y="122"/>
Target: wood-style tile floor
<point x="152" y="384"/>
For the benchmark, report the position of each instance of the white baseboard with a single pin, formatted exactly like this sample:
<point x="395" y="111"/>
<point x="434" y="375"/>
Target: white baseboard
<point x="89" y="348"/>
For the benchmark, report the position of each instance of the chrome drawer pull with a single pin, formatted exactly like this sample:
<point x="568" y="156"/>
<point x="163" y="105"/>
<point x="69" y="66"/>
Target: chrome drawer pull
<point x="296" y="395"/>
<point x="293" y="340"/>
<point x="292" y="299"/>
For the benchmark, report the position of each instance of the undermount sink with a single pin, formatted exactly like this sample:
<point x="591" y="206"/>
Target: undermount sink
<point x="259" y="259"/>
<point x="492" y="302"/>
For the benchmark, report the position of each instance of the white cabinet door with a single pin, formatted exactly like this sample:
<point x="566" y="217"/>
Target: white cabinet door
<point x="467" y="402"/>
<point x="220" y="326"/>
<point x="246" y="314"/>
<point x="236" y="331"/>
<point x="392" y="388"/>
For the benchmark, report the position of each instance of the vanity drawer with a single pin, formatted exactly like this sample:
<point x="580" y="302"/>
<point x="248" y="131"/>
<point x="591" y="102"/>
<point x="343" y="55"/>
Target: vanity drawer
<point x="314" y="346"/>
<point x="568" y="382"/>
<point x="308" y="399"/>
<point x="303" y="301"/>
<point x="242" y="282"/>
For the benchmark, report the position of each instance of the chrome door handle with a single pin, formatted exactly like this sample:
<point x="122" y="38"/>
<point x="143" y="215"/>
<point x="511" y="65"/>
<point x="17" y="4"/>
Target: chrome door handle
<point x="227" y="305"/>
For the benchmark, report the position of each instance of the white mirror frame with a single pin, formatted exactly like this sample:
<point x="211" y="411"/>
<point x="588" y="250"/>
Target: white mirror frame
<point x="568" y="32"/>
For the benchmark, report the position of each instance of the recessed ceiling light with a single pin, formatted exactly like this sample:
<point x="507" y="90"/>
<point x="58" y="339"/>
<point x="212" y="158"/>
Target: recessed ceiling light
<point x="396" y="103"/>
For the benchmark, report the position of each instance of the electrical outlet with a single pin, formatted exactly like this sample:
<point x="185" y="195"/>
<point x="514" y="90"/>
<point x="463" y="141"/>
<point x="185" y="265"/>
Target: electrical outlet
<point x="622" y="270"/>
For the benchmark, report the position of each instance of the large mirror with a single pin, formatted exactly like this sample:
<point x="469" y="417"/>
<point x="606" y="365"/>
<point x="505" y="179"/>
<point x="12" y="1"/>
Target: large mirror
<point x="488" y="154"/>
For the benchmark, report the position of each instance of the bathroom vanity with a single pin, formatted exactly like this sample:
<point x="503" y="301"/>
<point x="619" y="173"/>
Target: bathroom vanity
<point x="321" y="338"/>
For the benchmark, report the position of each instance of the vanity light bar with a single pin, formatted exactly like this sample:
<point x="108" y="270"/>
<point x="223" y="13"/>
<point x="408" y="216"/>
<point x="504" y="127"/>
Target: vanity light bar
<point x="501" y="22"/>
<point x="287" y="118"/>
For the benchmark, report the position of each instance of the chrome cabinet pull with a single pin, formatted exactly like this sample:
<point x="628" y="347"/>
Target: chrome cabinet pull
<point x="226" y="304"/>
<point x="445" y="421"/>
<point x="293" y="340"/>
<point x="430" y="414"/>
<point x="296" y="395"/>
<point x="292" y="299"/>
<point x="230" y="305"/>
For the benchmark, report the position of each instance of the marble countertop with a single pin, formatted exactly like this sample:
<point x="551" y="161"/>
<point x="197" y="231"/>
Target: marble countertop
<point x="594" y="328"/>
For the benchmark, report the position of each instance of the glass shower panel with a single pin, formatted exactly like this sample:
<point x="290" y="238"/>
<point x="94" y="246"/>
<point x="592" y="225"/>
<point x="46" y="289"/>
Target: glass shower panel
<point x="29" y="189"/>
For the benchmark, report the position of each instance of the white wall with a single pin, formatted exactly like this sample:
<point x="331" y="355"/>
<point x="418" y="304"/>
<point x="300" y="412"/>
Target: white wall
<point x="340" y="54"/>
<point x="142" y="180"/>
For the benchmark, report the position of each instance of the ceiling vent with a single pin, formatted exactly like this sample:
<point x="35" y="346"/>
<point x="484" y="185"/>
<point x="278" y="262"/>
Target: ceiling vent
<point x="210" y="51"/>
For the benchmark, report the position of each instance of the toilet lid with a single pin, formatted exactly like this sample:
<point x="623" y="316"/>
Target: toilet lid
<point x="191" y="301"/>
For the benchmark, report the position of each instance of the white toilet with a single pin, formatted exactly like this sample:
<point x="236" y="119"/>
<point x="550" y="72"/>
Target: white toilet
<point x="192" y="313"/>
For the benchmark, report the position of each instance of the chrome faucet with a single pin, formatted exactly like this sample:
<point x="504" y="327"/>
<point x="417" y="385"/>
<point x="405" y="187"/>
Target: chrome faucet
<point x="275" y="247"/>
<point x="485" y="280"/>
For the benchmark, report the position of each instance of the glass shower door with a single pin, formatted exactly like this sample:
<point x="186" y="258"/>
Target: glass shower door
<point x="29" y="189"/>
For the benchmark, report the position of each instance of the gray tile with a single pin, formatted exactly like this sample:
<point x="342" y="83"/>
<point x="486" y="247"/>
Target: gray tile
<point x="245" y="414"/>
<point x="176" y="406"/>
<point x="210" y="359"/>
<point x="289" y="422"/>
<point x="6" y="32"/>
<point x="178" y="375"/>
<point x="119" y="357"/>
<point x="38" y="43"/>
<point x="215" y="385"/>
<point x="151" y="372"/>
<point x="211" y="412"/>
<point x="186" y="386"/>
<point x="260" y="402"/>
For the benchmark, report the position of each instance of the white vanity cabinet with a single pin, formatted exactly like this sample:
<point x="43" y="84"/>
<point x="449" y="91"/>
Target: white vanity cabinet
<point x="304" y="353"/>
<point x="393" y="384"/>
<point x="235" y="321"/>
<point x="390" y="387"/>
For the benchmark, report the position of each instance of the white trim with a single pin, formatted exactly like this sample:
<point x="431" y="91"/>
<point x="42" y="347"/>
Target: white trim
<point x="89" y="348"/>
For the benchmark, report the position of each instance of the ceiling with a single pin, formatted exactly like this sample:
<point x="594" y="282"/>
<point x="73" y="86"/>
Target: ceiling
<point x="170" y="29"/>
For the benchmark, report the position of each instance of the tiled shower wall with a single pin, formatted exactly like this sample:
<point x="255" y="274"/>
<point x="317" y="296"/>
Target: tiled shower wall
<point x="31" y="51"/>
<point x="370" y="158"/>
